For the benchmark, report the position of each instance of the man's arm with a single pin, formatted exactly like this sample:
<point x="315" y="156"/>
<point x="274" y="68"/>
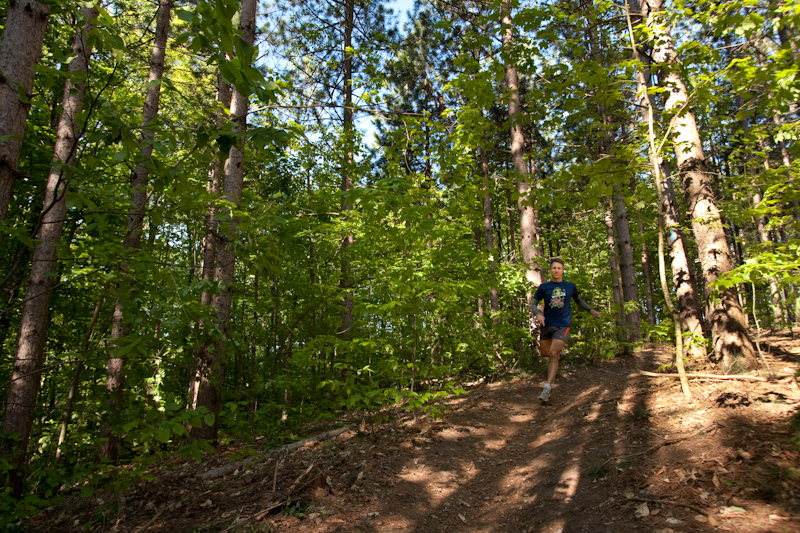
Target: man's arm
<point x="537" y="313"/>
<point x="586" y="307"/>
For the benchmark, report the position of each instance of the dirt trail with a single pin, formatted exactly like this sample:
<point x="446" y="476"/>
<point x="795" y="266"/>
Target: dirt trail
<point x="615" y="451"/>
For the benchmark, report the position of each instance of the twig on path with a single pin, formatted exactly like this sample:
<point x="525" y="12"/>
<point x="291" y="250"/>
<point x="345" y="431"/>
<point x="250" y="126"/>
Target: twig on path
<point x="700" y="510"/>
<point x="659" y="445"/>
<point x="742" y="377"/>
<point x="155" y="517"/>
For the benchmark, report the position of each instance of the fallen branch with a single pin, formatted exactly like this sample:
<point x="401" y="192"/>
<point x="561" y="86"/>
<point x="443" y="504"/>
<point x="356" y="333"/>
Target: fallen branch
<point x="232" y="467"/>
<point x="705" y="376"/>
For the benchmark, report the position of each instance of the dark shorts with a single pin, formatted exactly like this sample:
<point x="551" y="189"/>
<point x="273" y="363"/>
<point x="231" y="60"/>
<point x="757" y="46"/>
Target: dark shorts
<point x="549" y="332"/>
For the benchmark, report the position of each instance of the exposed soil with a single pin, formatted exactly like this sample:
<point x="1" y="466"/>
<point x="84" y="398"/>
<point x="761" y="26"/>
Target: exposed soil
<point x="616" y="451"/>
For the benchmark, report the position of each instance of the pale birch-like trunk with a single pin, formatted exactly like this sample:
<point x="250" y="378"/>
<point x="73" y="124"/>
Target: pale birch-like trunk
<point x="212" y="367"/>
<point x="29" y="357"/>
<point x="133" y="232"/>
<point x="731" y="340"/>
<point x="21" y="46"/>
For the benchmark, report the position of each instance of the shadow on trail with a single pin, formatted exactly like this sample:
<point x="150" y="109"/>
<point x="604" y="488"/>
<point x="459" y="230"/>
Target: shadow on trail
<point x="501" y="462"/>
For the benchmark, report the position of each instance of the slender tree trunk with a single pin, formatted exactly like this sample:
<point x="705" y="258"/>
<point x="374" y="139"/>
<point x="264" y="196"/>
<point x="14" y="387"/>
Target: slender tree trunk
<point x="732" y="343"/>
<point x="528" y="215"/>
<point x="647" y="272"/>
<point x="25" y="376"/>
<point x="133" y="234"/>
<point x="345" y="283"/>
<point x="23" y="34"/>
<point x="630" y="291"/>
<point x="72" y="395"/>
<point x="209" y="254"/>
<point x="212" y="367"/>
<point x="489" y="234"/>
<point x="616" y="279"/>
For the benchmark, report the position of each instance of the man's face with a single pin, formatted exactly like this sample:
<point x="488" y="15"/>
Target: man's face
<point x="556" y="271"/>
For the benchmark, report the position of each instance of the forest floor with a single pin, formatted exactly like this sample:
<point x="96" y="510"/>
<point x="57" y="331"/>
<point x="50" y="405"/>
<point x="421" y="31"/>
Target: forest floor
<point x="615" y="451"/>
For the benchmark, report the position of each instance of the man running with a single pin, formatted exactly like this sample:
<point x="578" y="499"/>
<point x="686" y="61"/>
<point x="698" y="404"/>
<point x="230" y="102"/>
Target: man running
<point x="556" y="319"/>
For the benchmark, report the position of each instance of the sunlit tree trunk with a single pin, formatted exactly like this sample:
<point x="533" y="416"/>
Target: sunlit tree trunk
<point x="25" y="376"/>
<point x="23" y="34"/>
<point x="133" y="233"/>
<point x="732" y="343"/>
<point x="529" y="217"/>
<point x="212" y="367"/>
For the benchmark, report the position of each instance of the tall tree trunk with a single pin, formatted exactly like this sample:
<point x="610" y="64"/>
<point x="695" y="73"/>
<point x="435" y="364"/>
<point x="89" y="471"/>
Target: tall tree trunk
<point x="616" y="276"/>
<point x="133" y="234"/>
<point x="630" y="291"/>
<point x="209" y="254"/>
<point x="23" y="34"/>
<point x="682" y="279"/>
<point x="731" y="340"/>
<point x="345" y="283"/>
<point x="212" y="367"/>
<point x="528" y="215"/>
<point x="25" y="377"/>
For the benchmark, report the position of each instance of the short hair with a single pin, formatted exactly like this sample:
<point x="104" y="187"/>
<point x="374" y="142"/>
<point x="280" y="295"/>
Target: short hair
<point x="556" y="260"/>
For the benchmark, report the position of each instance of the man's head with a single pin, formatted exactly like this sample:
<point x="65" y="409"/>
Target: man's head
<point x="557" y="268"/>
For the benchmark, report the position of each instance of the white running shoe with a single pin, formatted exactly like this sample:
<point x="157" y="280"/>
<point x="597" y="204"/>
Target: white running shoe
<point x="544" y="397"/>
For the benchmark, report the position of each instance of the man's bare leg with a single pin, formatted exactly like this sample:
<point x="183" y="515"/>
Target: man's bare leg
<point x="554" y="352"/>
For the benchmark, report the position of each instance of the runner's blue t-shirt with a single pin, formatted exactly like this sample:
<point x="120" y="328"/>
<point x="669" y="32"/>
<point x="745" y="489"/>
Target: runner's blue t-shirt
<point x="557" y="296"/>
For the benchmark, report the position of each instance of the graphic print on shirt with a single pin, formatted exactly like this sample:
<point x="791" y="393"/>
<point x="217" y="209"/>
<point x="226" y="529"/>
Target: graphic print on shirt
<point x="558" y="297"/>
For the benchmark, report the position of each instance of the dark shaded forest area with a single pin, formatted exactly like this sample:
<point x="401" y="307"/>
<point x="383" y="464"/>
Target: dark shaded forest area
<point x="223" y="221"/>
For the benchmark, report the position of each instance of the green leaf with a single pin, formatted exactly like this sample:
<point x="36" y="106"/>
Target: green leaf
<point x="209" y="419"/>
<point x="162" y="434"/>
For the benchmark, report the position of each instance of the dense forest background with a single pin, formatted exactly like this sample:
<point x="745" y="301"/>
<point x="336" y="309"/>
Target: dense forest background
<point x="223" y="218"/>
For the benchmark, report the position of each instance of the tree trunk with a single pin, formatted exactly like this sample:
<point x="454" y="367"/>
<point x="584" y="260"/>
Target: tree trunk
<point x="616" y="276"/>
<point x="133" y="234"/>
<point x="630" y="291"/>
<point x="23" y="34"/>
<point x="489" y="234"/>
<point x="209" y="254"/>
<point x="528" y="215"/>
<point x="732" y="343"/>
<point x="25" y="377"/>
<point x="682" y="279"/>
<point x="647" y="271"/>
<point x="345" y="283"/>
<point x="212" y="367"/>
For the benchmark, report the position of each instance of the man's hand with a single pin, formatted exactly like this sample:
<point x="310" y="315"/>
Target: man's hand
<point x="595" y="313"/>
<point x="540" y="319"/>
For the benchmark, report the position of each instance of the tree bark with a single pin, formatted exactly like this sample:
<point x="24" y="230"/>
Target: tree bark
<point x="528" y="215"/>
<point x="345" y="283"/>
<point x="133" y="233"/>
<point x="212" y="367"/>
<point x="23" y="34"/>
<point x="25" y="377"/>
<point x="489" y="234"/>
<point x="209" y="253"/>
<point x="732" y="343"/>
